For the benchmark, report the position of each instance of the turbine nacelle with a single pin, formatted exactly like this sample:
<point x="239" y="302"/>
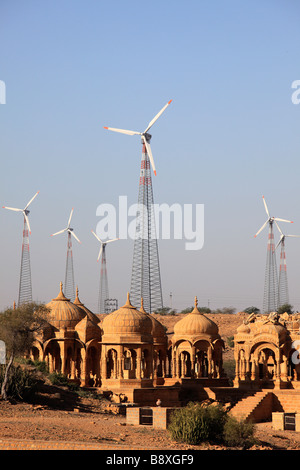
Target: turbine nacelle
<point x="145" y="136"/>
<point x="25" y="211"/>
<point x="68" y="229"/>
<point x="103" y="244"/>
<point x="283" y="236"/>
<point x="270" y="220"/>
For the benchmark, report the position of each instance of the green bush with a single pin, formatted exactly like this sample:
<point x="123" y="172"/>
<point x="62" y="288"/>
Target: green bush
<point x="56" y="378"/>
<point x="239" y="433"/>
<point x="194" y="424"/>
<point x="22" y="383"/>
<point x="41" y="366"/>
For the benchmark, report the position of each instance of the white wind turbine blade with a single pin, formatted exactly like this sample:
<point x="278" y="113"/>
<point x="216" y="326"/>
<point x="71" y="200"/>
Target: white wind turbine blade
<point x="281" y="235"/>
<point x="283" y="220"/>
<point x="278" y="226"/>
<point x="57" y="233"/>
<point x="31" y="200"/>
<point x="123" y="131"/>
<point x="157" y="116"/>
<point x="297" y="236"/>
<point x="71" y="213"/>
<point x="97" y="237"/>
<point x="280" y="241"/>
<point x="149" y="152"/>
<point x="113" y="240"/>
<point x="12" y="209"/>
<point x="261" y="228"/>
<point x="266" y="207"/>
<point x="72" y="233"/>
<point x="27" y="222"/>
<point x="100" y="252"/>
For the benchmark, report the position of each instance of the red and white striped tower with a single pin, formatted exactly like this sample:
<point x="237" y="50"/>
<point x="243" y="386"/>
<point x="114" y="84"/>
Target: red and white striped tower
<point x="270" y="301"/>
<point x="145" y="275"/>
<point x="69" y="287"/>
<point x="283" y="294"/>
<point x="103" y="291"/>
<point x="25" y="286"/>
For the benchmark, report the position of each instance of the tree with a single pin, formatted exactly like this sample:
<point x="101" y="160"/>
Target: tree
<point x="250" y="310"/>
<point x="164" y="311"/>
<point x="17" y="329"/>
<point x="204" y="309"/>
<point x="285" y="308"/>
<point x="226" y="310"/>
<point x="187" y="310"/>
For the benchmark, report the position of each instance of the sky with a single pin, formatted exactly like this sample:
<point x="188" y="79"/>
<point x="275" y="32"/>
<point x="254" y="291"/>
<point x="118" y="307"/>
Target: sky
<point x="230" y="136"/>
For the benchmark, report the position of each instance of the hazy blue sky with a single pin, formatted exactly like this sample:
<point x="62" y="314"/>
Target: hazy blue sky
<point x="230" y="136"/>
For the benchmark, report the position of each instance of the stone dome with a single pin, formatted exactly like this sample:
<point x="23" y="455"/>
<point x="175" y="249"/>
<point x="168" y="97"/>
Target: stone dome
<point x="243" y="328"/>
<point x="88" y="330"/>
<point x="90" y="314"/>
<point x="158" y="331"/>
<point x="195" y="323"/>
<point x="63" y="313"/>
<point x="127" y="324"/>
<point x="275" y="329"/>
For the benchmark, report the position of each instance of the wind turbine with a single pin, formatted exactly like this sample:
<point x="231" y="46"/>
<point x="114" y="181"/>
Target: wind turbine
<point x="25" y="286"/>
<point x="283" y="292"/>
<point x="103" y="288"/>
<point x="270" y="301"/>
<point x="145" y="277"/>
<point x="69" y="276"/>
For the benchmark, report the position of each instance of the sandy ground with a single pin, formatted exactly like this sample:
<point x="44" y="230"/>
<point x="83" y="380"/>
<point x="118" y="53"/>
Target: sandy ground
<point x="91" y="426"/>
<point x="61" y="420"/>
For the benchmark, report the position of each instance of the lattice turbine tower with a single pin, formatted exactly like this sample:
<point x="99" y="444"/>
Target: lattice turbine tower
<point x="103" y="286"/>
<point x="25" y="284"/>
<point x="270" y="299"/>
<point x="283" y="291"/>
<point x="145" y="276"/>
<point x="69" y="287"/>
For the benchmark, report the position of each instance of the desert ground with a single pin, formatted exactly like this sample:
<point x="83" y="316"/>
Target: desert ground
<point x="62" y="420"/>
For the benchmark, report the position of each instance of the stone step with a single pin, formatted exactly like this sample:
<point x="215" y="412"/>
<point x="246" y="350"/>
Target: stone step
<point x="245" y="408"/>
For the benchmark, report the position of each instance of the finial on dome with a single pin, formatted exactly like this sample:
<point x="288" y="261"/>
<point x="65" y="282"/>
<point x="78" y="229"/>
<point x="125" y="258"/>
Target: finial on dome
<point x="142" y="306"/>
<point x="77" y="301"/>
<point x="196" y="310"/>
<point x="61" y="295"/>
<point x="128" y="304"/>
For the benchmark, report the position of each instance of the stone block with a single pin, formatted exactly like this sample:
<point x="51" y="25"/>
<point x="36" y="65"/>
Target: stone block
<point x="278" y="420"/>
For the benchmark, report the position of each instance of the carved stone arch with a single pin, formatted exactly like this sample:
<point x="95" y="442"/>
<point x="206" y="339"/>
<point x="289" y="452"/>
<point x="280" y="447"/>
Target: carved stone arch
<point x="37" y="351"/>
<point x="258" y="347"/>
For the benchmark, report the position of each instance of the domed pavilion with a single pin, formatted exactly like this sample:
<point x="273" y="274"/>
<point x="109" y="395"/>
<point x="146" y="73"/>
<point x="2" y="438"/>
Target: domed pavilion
<point x="127" y="351"/>
<point x="197" y="347"/>
<point x="70" y="342"/>
<point x="264" y="349"/>
<point x="127" y="348"/>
